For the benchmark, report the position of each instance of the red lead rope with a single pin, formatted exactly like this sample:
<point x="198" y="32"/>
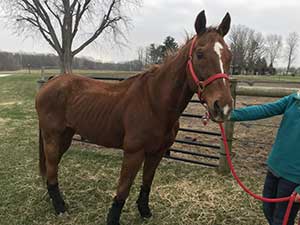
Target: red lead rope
<point x="290" y="199"/>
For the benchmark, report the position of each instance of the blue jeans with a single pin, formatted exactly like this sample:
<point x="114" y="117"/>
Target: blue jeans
<point x="277" y="187"/>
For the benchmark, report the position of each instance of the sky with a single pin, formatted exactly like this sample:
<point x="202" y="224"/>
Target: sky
<point x="156" y="19"/>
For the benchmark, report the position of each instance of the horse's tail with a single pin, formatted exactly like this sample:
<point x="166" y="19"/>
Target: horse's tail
<point x="42" y="161"/>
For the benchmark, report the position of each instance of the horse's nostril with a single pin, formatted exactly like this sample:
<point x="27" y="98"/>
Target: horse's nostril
<point x="217" y="106"/>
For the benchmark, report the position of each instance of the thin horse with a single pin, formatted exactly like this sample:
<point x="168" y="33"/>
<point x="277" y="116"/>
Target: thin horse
<point x="139" y="115"/>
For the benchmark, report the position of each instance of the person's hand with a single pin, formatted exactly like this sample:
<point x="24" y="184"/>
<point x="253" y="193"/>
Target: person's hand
<point x="297" y="199"/>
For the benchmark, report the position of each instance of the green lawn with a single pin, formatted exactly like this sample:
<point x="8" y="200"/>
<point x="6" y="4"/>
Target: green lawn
<point x="182" y="193"/>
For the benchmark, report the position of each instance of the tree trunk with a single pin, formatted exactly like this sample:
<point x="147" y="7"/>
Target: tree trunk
<point x="66" y="62"/>
<point x="288" y="65"/>
<point x="287" y="69"/>
<point x="67" y="56"/>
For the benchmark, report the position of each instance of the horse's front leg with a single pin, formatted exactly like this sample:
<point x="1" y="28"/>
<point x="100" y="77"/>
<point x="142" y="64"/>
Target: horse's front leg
<point x="130" y="166"/>
<point x="150" y="165"/>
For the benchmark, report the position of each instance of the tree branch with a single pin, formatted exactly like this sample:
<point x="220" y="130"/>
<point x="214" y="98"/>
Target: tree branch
<point x="42" y="13"/>
<point x="73" y="5"/>
<point x="106" y="22"/>
<point x="104" y="25"/>
<point x="53" y="13"/>
<point x="79" y="14"/>
<point x="35" y="22"/>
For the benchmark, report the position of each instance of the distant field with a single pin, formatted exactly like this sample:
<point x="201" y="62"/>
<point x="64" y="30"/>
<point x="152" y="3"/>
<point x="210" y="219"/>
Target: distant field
<point x="82" y="72"/>
<point x="182" y="193"/>
<point x="49" y="72"/>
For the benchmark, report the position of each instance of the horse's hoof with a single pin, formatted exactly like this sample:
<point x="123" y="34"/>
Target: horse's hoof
<point x="113" y="216"/>
<point x="59" y="207"/>
<point x="63" y="215"/>
<point x="56" y="198"/>
<point x="143" y="202"/>
<point x="146" y="215"/>
<point x="145" y="211"/>
<point x="113" y="223"/>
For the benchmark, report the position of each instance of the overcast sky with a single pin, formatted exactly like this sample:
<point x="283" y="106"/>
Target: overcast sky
<point x="157" y="19"/>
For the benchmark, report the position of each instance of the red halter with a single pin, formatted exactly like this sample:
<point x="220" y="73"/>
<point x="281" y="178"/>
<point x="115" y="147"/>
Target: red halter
<point x="202" y="84"/>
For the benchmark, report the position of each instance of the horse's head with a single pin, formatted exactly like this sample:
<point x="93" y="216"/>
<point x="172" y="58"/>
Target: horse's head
<point x="209" y="63"/>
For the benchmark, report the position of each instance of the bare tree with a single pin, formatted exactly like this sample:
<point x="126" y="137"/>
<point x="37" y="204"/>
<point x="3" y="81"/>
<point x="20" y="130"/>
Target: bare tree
<point x="292" y="43"/>
<point x="141" y="55"/>
<point x="273" y="47"/>
<point x="238" y="42"/>
<point x="247" y="47"/>
<point x="255" y="49"/>
<point x="69" y="26"/>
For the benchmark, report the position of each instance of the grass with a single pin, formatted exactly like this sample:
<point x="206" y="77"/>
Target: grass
<point x="182" y="193"/>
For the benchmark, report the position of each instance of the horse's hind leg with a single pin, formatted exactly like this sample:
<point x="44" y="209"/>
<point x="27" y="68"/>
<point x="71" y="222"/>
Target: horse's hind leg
<point x="130" y="166"/>
<point x="150" y="165"/>
<point x="54" y="147"/>
<point x="66" y="140"/>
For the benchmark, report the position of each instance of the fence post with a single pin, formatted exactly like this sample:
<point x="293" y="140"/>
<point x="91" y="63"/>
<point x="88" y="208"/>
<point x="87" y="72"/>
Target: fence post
<point x="42" y="79"/>
<point x="229" y="127"/>
<point x="43" y="73"/>
<point x="40" y="83"/>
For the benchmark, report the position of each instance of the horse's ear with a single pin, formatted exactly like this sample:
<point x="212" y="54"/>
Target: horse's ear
<point x="225" y="25"/>
<point x="200" y="23"/>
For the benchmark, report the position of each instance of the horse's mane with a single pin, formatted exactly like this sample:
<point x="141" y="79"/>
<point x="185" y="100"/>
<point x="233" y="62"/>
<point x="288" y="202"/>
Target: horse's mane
<point x="149" y="72"/>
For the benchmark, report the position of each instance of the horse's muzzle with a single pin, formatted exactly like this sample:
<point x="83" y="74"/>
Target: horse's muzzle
<point x="220" y="113"/>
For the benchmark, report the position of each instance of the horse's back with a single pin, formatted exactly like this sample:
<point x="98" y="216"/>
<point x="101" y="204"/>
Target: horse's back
<point x="85" y="105"/>
<point x="60" y="88"/>
<point x="102" y="112"/>
<point x="52" y="99"/>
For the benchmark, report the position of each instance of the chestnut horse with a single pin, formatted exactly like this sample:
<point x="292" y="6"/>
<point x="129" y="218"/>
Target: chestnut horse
<point x="139" y="115"/>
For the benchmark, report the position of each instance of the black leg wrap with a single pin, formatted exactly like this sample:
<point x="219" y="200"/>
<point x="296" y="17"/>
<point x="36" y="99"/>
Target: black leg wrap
<point x="57" y="201"/>
<point x="143" y="202"/>
<point x="114" y="214"/>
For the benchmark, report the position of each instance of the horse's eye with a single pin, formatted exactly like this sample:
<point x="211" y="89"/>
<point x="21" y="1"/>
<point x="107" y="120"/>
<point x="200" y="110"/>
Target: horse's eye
<point x="199" y="55"/>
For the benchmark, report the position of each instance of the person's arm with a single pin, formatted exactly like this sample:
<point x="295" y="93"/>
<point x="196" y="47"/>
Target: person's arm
<point x="257" y="112"/>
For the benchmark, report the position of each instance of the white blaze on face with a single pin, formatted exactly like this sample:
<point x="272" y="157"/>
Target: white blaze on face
<point x="218" y="47"/>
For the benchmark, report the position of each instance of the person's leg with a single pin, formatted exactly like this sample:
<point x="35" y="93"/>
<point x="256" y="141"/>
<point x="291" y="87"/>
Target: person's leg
<point x="285" y="188"/>
<point x="270" y="191"/>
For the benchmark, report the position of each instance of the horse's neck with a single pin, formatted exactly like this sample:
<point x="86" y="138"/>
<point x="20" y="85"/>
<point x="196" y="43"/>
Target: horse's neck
<point x="170" y="88"/>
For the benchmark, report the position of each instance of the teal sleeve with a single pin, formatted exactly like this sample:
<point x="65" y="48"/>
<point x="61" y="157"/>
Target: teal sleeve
<point x="257" y="112"/>
<point x="297" y="189"/>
